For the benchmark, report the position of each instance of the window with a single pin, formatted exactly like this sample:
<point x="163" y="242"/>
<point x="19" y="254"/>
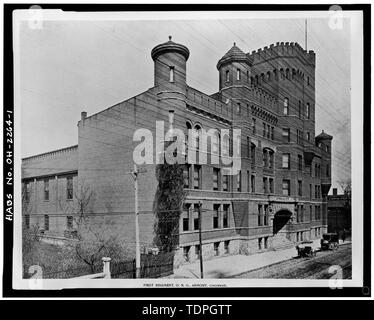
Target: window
<point x="253" y="183"/>
<point x="271" y="185"/>
<point x="27" y="221"/>
<point x="272" y="133"/>
<point x="264" y="130"/>
<point x="248" y="147"/>
<point x="46" y="189"/>
<point x="238" y="74"/>
<point x="308" y="111"/>
<point x="266" y="215"/>
<point x="186" y="219"/>
<point x="265" y="158"/>
<point x="225" y="219"/>
<point x="69" y="222"/>
<point x="307" y="81"/>
<point x="286" y="134"/>
<point x="310" y="191"/>
<point x="216" y="174"/>
<point x="300" y="162"/>
<point x="197" y="177"/>
<point x="253" y="154"/>
<point x="286" y="160"/>
<point x="216" y="216"/>
<point x="227" y="246"/>
<point x="46" y="222"/>
<point x="268" y="76"/>
<point x="265" y="185"/>
<point x="285" y="106"/>
<point x="299" y="136"/>
<point x="268" y="132"/>
<point x="171" y="74"/>
<point x="239" y="182"/>
<point x="69" y="188"/>
<point x="297" y="236"/>
<point x="310" y="213"/>
<point x="186" y="251"/>
<point x="227" y="75"/>
<point x="299" y="109"/>
<point x="266" y="242"/>
<point x="327" y="171"/>
<point x="27" y="188"/>
<point x="286" y="187"/>
<point x="186" y="176"/>
<point x="238" y="108"/>
<point x="260" y="214"/>
<point x="300" y="188"/>
<point x="271" y="160"/>
<point x="253" y="125"/>
<point x="315" y="192"/>
<point x="259" y="243"/>
<point x="308" y="136"/>
<point x="216" y="248"/>
<point x="225" y="183"/>
<point x="196" y="221"/>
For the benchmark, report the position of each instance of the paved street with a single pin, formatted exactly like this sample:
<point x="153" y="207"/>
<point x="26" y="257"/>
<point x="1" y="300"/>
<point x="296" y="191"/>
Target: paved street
<point x="307" y="268"/>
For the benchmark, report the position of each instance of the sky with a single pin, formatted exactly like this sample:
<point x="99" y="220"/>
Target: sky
<point x="70" y="66"/>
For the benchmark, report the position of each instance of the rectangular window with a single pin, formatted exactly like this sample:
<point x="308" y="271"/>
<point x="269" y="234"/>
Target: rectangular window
<point x="197" y="177"/>
<point x="253" y="125"/>
<point x="186" y="176"/>
<point x="299" y="162"/>
<point x="299" y="109"/>
<point x="238" y="74"/>
<point x="216" y="248"/>
<point x="46" y="189"/>
<point x="285" y="106"/>
<point x="216" y="216"/>
<point x="186" y="217"/>
<point x="286" y="135"/>
<point x="286" y="161"/>
<point x="266" y="215"/>
<point x="266" y="242"/>
<point x="225" y="182"/>
<point x="46" y="222"/>
<point x="227" y="246"/>
<point x="315" y="192"/>
<point x="69" y="188"/>
<point x="299" y="136"/>
<point x="271" y="160"/>
<point x="27" y="221"/>
<point x="265" y="185"/>
<point x="171" y="74"/>
<point x="227" y="75"/>
<point x="264" y="129"/>
<point x="239" y="182"/>
<point x="27" y="188"/>
<point x="253" y="154"/>
<point x="225" y="218"/>
<point x="272" y="133"/>
<point x="299" y="188"/>
<point x="308" y="111"/>
<point x="308" y="136"/>
<point x="286" y="187"/>
<point x="259" y="243"/>
<point x="238" y="108"/>
<point x="271" y="185"/>
<point x="216" y="174"/>
<point x="196" y="221"/>
<point x="268" y="132"/>
<point x="69" y="222"/>
<point x="253" y="183"/>
<point x="310" y="191"/>
<point x="260" y="214"/>
<point x="310" y="213"/>
<point x="248" y="147"/>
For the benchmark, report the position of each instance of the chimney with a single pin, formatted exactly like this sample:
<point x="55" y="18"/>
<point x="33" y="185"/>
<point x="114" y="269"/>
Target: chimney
<point x="334" y="191"/>
<point x="83" y="115"/>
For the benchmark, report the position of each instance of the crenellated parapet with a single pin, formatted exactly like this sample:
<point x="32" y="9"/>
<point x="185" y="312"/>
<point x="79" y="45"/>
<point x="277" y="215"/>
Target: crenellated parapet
<point x="284" y="50"/>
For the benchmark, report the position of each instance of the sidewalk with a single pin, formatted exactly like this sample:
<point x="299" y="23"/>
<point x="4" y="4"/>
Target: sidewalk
<point x="229" y="266"/>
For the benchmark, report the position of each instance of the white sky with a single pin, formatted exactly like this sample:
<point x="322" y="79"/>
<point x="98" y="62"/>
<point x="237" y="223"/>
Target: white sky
<point x="71" y="66"/>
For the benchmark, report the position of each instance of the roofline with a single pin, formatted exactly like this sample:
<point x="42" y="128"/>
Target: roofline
<point x="50" y="152"/>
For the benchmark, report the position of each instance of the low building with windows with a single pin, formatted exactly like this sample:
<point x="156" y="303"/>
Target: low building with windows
<point x="277" y="199"/>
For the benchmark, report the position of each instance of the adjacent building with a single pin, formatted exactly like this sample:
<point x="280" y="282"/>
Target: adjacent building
<point x="339" y="212"/>
<point x="278" y="198"/>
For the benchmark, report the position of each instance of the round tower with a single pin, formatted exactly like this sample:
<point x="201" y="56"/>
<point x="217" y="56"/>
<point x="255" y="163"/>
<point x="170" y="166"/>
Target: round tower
<point x="234" y="68"/>
<point x="170" y="64"/>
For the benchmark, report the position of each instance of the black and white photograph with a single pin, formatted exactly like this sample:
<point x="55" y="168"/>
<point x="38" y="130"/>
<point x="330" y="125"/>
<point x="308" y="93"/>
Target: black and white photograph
<point x="181" y="149"/>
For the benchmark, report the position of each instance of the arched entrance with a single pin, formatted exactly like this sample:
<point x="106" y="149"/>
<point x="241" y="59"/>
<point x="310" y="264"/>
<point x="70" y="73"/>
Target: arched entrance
<point x="280" y="220"/>
<point x="280" y="233"/>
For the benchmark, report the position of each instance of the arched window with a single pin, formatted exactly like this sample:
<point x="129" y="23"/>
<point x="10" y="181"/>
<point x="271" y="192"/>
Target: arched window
<point x="238" y="74"/>
<point x="275" y="74"/>
<point x="171" y="74"/>
<point x="227" y="75"/>
<point x="287" y="73"/>
<point x="282" y="73"/>
<point x="268" y="75"/>
<point x="308" y="111"/>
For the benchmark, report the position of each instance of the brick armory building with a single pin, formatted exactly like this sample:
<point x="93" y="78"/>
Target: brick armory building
<point x="278" y="198"/>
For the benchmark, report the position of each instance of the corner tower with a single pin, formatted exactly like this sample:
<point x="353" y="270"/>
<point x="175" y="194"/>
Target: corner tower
<point x="170" y="65"/>
<point x="234" y="68"/>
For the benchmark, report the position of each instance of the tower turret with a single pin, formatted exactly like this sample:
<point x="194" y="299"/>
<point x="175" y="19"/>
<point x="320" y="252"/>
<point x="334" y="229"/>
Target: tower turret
<point x="234" y="68"/>
<point x="170" y="64"/>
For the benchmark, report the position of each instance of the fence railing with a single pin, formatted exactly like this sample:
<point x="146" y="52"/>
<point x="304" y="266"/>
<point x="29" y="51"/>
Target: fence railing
<point x="101" y="275"/>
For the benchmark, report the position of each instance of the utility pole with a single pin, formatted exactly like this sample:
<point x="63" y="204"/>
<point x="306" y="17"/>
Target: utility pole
<point x="200" y="245"/>
<point x="306" y="34"/>
<point x="134" y="174"/>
